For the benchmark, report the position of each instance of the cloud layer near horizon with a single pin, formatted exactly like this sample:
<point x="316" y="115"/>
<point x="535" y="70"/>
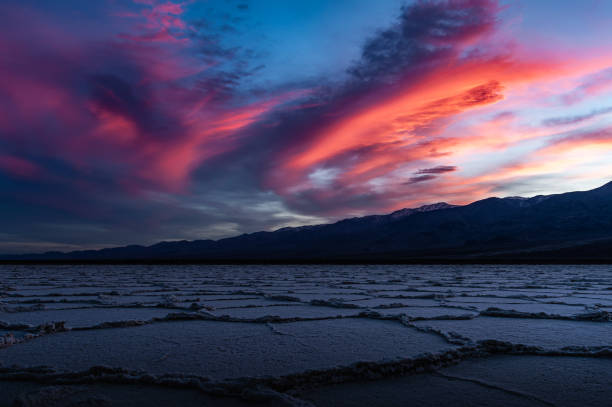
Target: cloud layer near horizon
<point x="144" y="127"/>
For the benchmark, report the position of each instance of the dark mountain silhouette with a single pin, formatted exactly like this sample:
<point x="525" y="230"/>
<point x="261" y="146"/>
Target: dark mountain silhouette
<point x="574" y="226"/>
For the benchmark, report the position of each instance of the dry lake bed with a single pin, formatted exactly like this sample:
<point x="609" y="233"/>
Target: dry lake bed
<point x="316" y="335"/>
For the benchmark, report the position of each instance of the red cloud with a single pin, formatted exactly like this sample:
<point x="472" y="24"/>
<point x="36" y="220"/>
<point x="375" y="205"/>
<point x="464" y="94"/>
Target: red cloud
<point x="143" y="120"/>
<point x="140" y="110"/>
<point x="397" y="115"/>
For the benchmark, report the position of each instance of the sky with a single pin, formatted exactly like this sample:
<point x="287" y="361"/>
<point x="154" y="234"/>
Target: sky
<point x="132" y="122"/>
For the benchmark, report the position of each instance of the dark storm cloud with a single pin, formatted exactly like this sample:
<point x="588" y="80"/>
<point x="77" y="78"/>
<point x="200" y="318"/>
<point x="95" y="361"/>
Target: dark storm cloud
<point x="425" y="32"/>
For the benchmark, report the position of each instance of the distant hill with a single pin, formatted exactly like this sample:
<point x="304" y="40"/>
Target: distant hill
<point x="572" y="227"/>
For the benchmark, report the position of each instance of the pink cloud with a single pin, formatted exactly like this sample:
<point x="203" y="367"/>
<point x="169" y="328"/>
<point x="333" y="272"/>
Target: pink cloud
<point x="18" y="167"/>
<point x="140" y="109"/>
<point x="374" y="138"/>
<point x="126" y="107"/>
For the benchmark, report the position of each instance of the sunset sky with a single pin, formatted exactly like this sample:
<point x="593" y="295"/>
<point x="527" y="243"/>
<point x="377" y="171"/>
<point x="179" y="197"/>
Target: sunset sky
<point x="139" y="121"/>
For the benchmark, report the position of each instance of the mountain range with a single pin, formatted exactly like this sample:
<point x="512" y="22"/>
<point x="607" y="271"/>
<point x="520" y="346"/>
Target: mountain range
<point x="568" y="227"/>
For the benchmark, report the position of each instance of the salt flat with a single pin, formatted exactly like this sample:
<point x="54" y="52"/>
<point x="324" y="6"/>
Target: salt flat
<point x="306" y="335"/>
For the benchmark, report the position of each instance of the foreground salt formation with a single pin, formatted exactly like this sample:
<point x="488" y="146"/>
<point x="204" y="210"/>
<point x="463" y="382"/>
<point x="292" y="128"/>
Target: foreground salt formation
<point x="305" y="335"/>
